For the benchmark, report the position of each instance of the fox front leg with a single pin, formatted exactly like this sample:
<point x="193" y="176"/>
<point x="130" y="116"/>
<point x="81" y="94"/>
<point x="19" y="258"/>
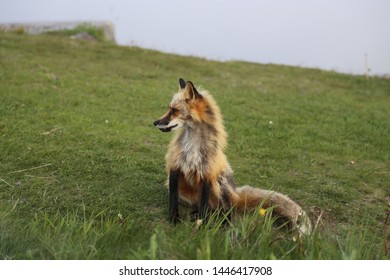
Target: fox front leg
<point x="204" y="200"/>
<point x="173" y="212"/>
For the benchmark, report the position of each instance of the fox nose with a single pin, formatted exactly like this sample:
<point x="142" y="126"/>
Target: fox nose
<point x="161" y="122"/>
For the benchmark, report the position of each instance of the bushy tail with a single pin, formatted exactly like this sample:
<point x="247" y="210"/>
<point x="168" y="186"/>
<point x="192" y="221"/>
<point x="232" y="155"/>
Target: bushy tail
<point x="250" y="198"/>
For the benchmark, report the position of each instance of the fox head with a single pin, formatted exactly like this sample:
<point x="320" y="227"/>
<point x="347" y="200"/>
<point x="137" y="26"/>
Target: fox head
<point x="186" y="108"/>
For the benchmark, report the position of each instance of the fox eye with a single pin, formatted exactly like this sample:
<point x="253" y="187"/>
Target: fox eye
<point x="174" y="110"/>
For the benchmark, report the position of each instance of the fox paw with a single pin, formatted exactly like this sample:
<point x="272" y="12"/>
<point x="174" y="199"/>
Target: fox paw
<point x="194" y="216"/>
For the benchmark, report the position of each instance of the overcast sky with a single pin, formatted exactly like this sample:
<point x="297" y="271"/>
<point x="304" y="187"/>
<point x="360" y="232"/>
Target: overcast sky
<point x="327" y="34"/>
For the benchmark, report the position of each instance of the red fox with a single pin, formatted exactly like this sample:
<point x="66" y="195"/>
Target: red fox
<point x="198" y="171"/>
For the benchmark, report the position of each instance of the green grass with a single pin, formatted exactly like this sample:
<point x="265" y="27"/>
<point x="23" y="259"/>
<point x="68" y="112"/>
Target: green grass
<point x="82" y="167"/>
<point x="95" y="32"/>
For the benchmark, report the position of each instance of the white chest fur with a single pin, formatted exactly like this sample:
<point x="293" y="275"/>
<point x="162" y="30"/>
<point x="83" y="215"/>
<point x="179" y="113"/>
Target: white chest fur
<point x="193" y="155"/>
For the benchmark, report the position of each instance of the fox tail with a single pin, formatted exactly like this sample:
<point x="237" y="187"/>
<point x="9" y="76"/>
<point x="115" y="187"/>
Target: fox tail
<point x="283" y="206"/>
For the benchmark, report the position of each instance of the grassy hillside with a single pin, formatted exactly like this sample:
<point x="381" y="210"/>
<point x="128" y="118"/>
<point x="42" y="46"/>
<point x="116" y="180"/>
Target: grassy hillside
<point x="82" y="167"/>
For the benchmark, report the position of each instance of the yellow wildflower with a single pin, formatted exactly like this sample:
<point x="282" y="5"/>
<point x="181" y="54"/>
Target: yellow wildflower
<point x="262" y="212"/>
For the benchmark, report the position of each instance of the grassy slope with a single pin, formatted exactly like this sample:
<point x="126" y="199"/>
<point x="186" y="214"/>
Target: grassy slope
<point x="81" y="115"/>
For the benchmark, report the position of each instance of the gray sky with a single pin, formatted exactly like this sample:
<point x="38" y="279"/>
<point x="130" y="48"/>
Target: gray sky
<point x="327" y="34"/>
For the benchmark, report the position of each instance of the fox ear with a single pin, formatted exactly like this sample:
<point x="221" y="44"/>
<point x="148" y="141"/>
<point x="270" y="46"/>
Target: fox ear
<point x="182" y="83"/>
<point x="191" y="92"/>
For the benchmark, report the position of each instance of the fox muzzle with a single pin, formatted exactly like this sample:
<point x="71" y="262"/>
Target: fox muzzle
<point x="162" y="124"/>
